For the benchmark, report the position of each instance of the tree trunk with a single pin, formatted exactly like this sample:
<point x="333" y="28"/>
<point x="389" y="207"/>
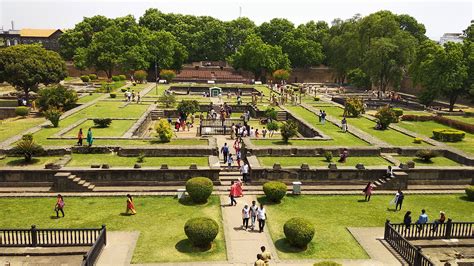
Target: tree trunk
<point x="452" y="101"/>
<point x="27" y="95"/>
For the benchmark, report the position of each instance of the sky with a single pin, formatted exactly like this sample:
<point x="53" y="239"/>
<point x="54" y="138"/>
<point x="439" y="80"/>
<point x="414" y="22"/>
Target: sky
<point x="438" y="17"/>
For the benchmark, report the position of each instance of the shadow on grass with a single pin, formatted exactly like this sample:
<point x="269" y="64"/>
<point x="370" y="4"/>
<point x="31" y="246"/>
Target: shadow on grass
<point x="284" y="246"/>
<point x="53" y="217"/>
<point x="362" y="200"/>
<point x="126" y="214"/>
<point x="22" y="162"/>
<point x="465" y="198"/>
<point x="187" y="201"/>
<point x="265" y="201"/>
<point x="185" y="246"/>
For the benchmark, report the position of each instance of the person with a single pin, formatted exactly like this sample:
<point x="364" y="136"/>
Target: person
<point x="261" y="216"/>
<point x="130" y="205"/>
<point x="138" y="97"/>
<point x="230" y="161"/>
<point x="238" y="189"/>
<point x="266" y="255"/>
<point x="368" y="191"/>
<point x="80" y="137"/>
<point x="344" y="124"/>
<point x="59" y="207"/>
<point x="323" y="117"/>
<point x="399" y="200"/>
<point x="245" y="216"/>
<point x="389" y="172"/>
<point x="407" y="220"/>
<point x="320" y="115"/>
<point x="252" y="132"/>
<point x="232" y="132"/>
<point x="232" y="193"/>
<point x="90" y="138"/>
<point x="238" y="158"/>
<point x="244" y="170"/>
<point x="225" y="151"/>
<point x="253" y="214"/>
<point x="442" y="218"/>
<point x="423" y="219"/>
<point x="260" y="261"/>
<point x="343" y="156"/>
<point x="264" y="132"/>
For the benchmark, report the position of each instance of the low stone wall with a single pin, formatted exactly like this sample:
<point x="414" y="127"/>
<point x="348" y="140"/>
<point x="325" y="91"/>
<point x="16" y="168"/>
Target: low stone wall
<point x="7" y="112"/>
<point x="171" y="151"/>
<point x="141" y="126"/>
<point x="189" y="90"/>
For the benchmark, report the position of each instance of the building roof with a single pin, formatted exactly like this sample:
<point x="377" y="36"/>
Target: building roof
<point x="44" y="33"/>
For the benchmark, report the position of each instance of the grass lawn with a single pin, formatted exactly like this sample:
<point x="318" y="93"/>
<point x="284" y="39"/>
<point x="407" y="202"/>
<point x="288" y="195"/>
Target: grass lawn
<point x="438" y="161"/>
<point x="114" y="160"/>
<point x="8" y="103"/>
<point x="321" y="161"/>
<point x="14" y="126"/>
<point x="126" y="142"/>
<point x="89" y="97"/>
<point x="339" y="137"/>
<point x="301" y="142"/>
<point x="160" y="221"/>
<point x="426" y="128"/>
<point x="331" y="216"/>
<point x="37" y="162"/>
<point x="158" y="91"/>
<point x="116" y="129"/>
<point x="465" y="119"/>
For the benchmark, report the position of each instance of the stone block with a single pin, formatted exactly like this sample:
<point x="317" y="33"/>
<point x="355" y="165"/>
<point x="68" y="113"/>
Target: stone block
<point x="304" y="166"/>
<point x="95" y="166"/>
<point x="193" y="166"/>
<point x="52" y="166"/>
<point x="137" y="165"/>
<point x="360" y="166"/>
<point x="105" y="166"/>
<point x="164" y="166"/>
<point x="332" y="166"/>
<point x="411" y="164"/>
<point x="276" y="166"/>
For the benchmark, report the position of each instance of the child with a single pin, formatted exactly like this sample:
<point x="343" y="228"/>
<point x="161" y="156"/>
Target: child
<point x="230" y="161"/>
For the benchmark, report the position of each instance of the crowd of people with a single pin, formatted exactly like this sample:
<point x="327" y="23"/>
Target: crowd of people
<point x="131" y="96"/>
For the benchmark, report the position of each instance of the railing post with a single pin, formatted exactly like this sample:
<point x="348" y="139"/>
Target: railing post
<point x="417" y="261"/>
<point x="105" y="234"/>
<point x="385" y="234"/>
<point x="449" y="226"/>
<point x="34" y="236"/>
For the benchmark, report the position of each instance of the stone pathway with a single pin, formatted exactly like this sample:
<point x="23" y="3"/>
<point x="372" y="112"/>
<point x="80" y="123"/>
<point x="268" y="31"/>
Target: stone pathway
<point x="119" y="248"/>
<point x="243" y="245"/>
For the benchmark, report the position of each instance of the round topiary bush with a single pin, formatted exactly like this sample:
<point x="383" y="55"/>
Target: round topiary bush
<point x="92" y="76"/>
<point x="85" y="78"/>
<point x="115" y="78"/>
<point x="274" y="190"/>
<point x="470" y="193"/>
<point x="299" y="232"/>
<point x="22" y="111"/>
<point x="417" y="140"/>
<point x="201" y="231"/>
<point x="327" y="263"/>
<point x="113" y="95"/>
<point x="199" y="189"/>
<point x="122" y="77"/>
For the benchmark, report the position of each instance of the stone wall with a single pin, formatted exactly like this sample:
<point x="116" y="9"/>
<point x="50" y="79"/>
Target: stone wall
<point x="7" y="112"/>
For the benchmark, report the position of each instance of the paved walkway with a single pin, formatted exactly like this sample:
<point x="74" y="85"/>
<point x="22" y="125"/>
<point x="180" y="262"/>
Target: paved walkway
<point x="119" y="248"/>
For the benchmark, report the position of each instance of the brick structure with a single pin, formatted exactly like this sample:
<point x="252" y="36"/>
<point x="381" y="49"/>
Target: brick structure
<point x="47" y="37"/>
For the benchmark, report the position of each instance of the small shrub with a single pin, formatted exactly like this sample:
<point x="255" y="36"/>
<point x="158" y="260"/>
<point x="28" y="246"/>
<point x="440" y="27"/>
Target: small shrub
<point x="199" y="189"/>
<point x="448" y="135"/>
<point x="122" y="77"/>
<point x="288" y="130"/>
<point x="164" y="130"/>
<point x="102" y="122"/>
<point x="281" y="74"/>
<point x="354" y="107"/>
<point x="27" y="148"/>
<point x="274" y="190"/>
<point x="426" y="155"/>
<point x="92" y="76"/>
<point x="201" y="231"/>
<point x="328" y="156"/>
<point x="53" y="115"/>
<point x="271" y="113"/>
<point x="299" y="232"/>
<point x="417" y="140"/>
<point x="123" y="89"/>
<point x="398" y="111"/>
<point x="141" y="158"/>
<point x="168" y="99"/>
<point x="316" y="99"/>
<point x="113" y="95"/>
<point x="386" y="116"/>
<point x="134" y="83"/>
<point x="57" y="96"/>
<point x="272" y="126"/>
<point x="470" y="193"/>
<point x="327" y="263"/>
<point x="85" y="78"/>
<point x="22" y="111"/>
<point x="115" y="78"/>
<point x="167" y="74"/>
<point x="140" y="75"/>
<point x="188" y="107"/>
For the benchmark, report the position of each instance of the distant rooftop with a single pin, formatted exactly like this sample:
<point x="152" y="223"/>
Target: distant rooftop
<point x="37" y="32"/>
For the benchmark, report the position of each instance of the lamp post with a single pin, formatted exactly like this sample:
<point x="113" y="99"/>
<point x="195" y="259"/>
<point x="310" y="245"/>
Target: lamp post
<point x="156" y="78"/>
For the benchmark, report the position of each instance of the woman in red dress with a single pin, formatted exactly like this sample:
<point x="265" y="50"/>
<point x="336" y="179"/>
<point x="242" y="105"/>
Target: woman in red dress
<point x="130" y="205"/>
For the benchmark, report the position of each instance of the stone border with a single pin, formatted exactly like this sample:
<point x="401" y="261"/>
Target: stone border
<point x="59" y="135"/>
<point x="304" y="126"/>
<point x="141" y="124"/>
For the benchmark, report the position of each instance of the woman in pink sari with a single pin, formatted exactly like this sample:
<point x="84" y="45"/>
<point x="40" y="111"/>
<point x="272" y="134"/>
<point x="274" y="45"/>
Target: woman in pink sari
<point x="130" y="205"/>
<point x="238" y="189"/>
<point x="368" y="191"/>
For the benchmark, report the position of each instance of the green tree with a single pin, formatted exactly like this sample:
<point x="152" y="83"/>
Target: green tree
<point x="53" y="115"/>
<point x="273" y="32"/>
<point x="259" y="58"/>
<point x="358" y="78"/>
<point x="281" y="74"/>
<point x="288" y="130"/>
<point x="302" y="52"/>
<point x="386" y="116"/>
<point x="188" y="107"/>
<point x="168" y="99"/>
<point x="237" y="31"/>
<point x="27" y="66"/>
<point x="27" y="147"/>
<point x="58" y="97"/>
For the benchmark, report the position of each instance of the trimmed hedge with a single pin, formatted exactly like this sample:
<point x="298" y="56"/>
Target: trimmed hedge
<point x="470" y="193"/>
<point x="299" y="232"/>
<point x="199" y="189"/>
<point x="115" y="78"/>
<point x="113" y="95"/>
<point x="426" y="155"/>
<point x="22" y="111"/>
<point x="92" y="76"/>
<point x="85" y="78"/>
<point x="398" y="111"/>
<point x="201" y="231"/>
<point x="448" y="135"/>
<point x="442" y="120"/>
<point x="122" y="77"/>
<point x="327" y="263"/>
<point x="102" y="122"/>
<point x="274" y="190"/>
<point x="417" y="140"/>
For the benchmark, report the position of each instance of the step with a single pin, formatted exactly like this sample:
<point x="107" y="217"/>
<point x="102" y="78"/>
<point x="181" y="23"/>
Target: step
<point x="77" y="179"/>
<point x="91" y="187"/>
<point x="381" y="180"/>
<point x="377" y="183"/>
<point x="62" y="174"/>
<point x="71" y="177"/>
<point x="86" y="184"/>
<point x="229" y="173"/>
<point x="82" y="182"/>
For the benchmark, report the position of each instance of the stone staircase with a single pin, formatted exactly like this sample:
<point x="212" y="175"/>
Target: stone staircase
<point x="281" y="116"/>
<point x="65" y="181"/>
<point x="398" y="181"/>
<point x="157" y="114"/>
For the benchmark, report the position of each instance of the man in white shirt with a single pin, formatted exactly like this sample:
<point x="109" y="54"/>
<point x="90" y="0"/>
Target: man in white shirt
<point x="244" y="170"/>
<point x="261" y="216"/>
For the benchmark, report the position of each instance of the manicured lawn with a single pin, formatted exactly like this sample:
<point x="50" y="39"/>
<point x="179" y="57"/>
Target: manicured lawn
<point x="37" y="162"/>
<point x="116" y="129"/>
<point x="89" y="97"/>
<point x="438" y="161"/>
<point x="426" y="128"/>
<point x="331" y="216"/>
<point x="14" y="126"/>
<point x="126" y="142"/>
<point x="160" y="221"/>
<point x="339" y="137"/>
<point x="465" y="119"/>
<point x="301" y="142"/>
<point x="8" y="103"/>
<point x="114" y="160"/>
<point x="159" y="91"/>
<point x="321" y="161"/>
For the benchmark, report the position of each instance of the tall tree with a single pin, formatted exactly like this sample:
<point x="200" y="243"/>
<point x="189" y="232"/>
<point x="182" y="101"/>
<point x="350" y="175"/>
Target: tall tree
<point x="27" y="66"/>
<point x="302" y="52"/>
<point x="273" y="32"/>
<point x="237" y="31"/>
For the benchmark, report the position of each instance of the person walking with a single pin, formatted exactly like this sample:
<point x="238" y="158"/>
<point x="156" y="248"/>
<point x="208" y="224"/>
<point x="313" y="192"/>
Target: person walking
<point x="238" y="157"/>
<point x="245" y="216"/>
<point x="80" y="137"/>
<point x="423" y="219"/>
<point x="59" y="207"/>
<point x="323" y="117"/>
<point x="130" y="205"/>
<point x="90" y="138"/>
<point x="260" y="261"/>
<point x="253" y="214"/>
<point x="262" y="217"/>
<point x="399" y="200"/>
<point x="266" y="255"/>
<point x="442" y="218"/>
<point x="368" y="191"/>
<point x="225" y="151"/>
<point x="230" y="161"/>
<point x="232" y="194"/>
<point x="407" y="220"/>
<point x="389" y="173"/>
<point x="344" y="124"/>
<point x="244" y="170"/>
